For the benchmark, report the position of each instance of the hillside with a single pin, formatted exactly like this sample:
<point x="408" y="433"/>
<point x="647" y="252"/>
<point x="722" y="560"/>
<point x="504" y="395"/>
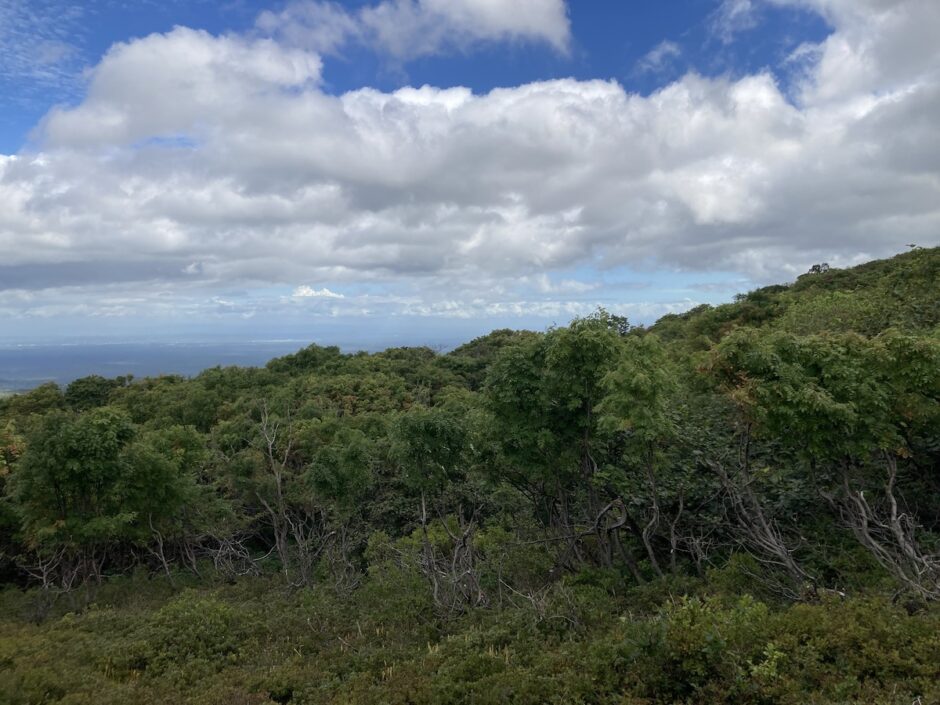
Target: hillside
<point x="899" y="292"/>
<point x="739" y="504"/>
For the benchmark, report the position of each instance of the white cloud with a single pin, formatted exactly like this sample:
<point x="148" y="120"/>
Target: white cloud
<point x="172" y="85"/>
<point x="325" y="27"/>
<point x="546" y="285"/>
<point x="306" y="292"/>
<point x="225" y="151"/>
<point x="407" y="29"/>
<point x="880" y="46"/>
<point x="733" y="17"/>
<point x="659" y="57"/>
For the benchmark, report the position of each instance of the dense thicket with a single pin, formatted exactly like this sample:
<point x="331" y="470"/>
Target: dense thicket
<point x="738" y="504"/>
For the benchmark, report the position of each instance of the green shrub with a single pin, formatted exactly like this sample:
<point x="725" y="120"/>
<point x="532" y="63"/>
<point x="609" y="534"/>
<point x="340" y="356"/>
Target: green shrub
<point x="696" y="650"/>
<point x="191" y="637"/>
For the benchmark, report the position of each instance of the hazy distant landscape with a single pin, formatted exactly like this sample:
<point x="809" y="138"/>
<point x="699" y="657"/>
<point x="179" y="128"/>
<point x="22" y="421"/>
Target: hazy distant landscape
<point x="27" y="366"/>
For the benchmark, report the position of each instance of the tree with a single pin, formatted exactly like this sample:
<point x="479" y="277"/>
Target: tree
<point x="12" y="445"/>
<point x="89" y="392"/>
<point x="341" y="471"/>
<point x="851" y="407"/>
<point x="432" y="448"/>
<point x="184" y="510"/>
<point x="297" y="518"/>
<point x="88" y="482"/>
<point x="542" y="394"/>
<point x="640" y="403"/>
<point x="44" y="398"/>
<point x="342" y="476"/>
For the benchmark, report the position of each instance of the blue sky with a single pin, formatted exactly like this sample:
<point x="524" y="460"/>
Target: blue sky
<point x="422" y="171"/>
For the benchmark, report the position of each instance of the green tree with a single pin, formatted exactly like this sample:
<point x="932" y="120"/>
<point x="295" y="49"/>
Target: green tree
<point x="89" y="392"/>
<point x="852" y="408"/>
<point x="641" y="404"/>
<point x="341" y="471"/>
<point x="44" y="398"/>
<point x="88" y="482"/>
<point x="542" y="394"/>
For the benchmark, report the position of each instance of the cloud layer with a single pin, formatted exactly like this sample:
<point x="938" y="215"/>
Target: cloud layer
<point x="197" y="162"/>
<point x="39" y="44"/>
<point x="407" y="29"/>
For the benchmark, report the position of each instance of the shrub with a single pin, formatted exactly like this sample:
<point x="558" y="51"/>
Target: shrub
<point x="192" y="636"/>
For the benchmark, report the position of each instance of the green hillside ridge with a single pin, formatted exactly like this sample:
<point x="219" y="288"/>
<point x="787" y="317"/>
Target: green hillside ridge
<point x="738" y="504"/>
<point x="899" y="292"/>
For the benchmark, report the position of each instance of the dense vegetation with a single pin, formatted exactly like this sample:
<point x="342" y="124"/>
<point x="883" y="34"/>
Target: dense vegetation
<point x="740" y="504"/>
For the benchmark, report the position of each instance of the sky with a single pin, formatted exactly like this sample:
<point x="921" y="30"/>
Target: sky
<point x="386" y="172"/>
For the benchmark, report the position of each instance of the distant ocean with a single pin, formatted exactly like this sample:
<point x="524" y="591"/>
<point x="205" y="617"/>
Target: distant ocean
<point x="23" y="367"/>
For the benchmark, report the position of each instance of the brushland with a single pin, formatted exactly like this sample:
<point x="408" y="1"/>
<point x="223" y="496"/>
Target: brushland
<point x="739" y="504"/>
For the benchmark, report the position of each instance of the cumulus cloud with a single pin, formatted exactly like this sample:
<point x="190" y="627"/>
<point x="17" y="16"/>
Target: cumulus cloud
<point x="171" y="85"/>
<point x="197" y="163"/>
<point x="407" y="29"/>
